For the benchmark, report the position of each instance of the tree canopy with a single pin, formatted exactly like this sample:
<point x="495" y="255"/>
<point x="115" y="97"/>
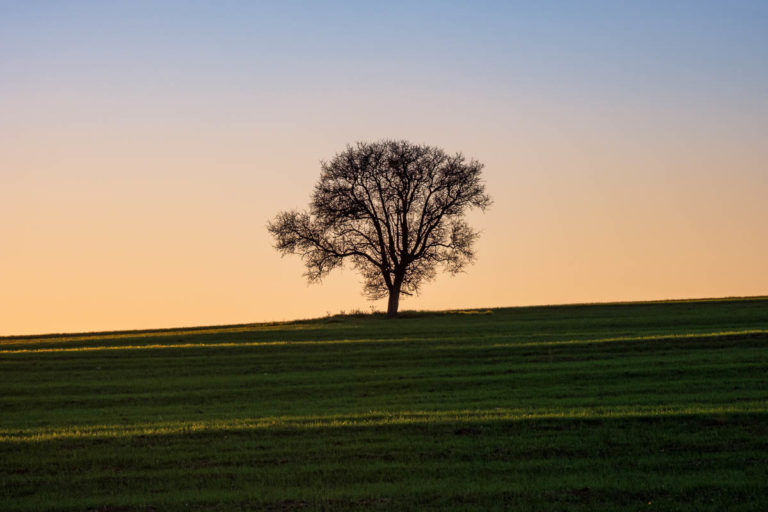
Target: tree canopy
<point x="394" y="210"/>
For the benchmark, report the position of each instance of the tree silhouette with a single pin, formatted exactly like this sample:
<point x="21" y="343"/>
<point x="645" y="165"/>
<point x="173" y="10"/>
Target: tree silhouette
<point x="392" y="208"/>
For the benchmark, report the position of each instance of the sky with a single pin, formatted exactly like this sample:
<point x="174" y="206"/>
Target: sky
<point x="145" y="145"/>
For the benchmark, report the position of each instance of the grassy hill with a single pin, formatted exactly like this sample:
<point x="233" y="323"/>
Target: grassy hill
<point x="640" y="406"/>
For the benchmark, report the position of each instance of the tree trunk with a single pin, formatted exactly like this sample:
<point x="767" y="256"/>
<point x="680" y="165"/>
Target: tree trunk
<point x="394" y="301"/>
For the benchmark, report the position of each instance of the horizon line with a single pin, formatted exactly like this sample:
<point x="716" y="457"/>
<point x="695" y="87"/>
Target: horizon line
<point x="7" y="337"/>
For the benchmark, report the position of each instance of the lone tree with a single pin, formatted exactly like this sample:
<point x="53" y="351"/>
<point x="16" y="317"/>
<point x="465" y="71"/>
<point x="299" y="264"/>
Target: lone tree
<point x="392" y="208"/>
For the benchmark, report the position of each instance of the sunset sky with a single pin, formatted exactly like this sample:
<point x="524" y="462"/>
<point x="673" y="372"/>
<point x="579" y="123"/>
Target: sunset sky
<point x="145" y="145"/>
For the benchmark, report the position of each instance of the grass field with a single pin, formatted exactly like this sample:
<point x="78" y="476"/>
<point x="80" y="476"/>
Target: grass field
<point x="646" y="406"/>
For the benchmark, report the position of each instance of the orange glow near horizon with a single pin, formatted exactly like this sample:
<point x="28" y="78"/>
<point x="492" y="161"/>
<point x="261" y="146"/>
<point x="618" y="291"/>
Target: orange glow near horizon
<point x="137" y="197"/>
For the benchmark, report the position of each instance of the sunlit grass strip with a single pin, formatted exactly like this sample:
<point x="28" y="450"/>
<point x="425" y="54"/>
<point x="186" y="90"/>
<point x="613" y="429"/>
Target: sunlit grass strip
<point x="372" y="419"/>
<point x="194" y="331"/>
<point x="155" y="346"/>
<point x="665" y="337"/>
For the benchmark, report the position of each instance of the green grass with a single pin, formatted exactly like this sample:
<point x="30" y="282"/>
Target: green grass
<point x="639" y="406"/>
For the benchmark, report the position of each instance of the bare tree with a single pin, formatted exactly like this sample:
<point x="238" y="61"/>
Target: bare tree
<point x="392" y="208"/>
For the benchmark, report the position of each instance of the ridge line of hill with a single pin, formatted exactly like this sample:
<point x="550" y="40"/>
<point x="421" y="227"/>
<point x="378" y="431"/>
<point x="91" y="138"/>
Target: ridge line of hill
<point x="404" y="314"/>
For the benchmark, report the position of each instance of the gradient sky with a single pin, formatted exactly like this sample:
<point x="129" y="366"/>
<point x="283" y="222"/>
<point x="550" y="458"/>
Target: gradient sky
<point x="144" y="146"/>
